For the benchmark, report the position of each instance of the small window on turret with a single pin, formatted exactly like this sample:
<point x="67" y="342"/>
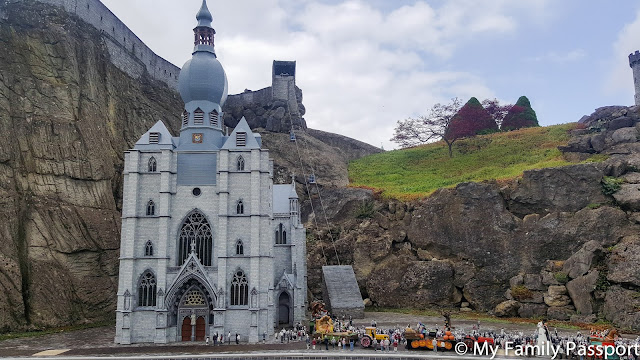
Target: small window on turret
<point x="154" y="138"/>
<point x="213" y="118"/>
<point x="241" y="139"/>
<point x="198" y="117"/>
<point x="185" y="118"/>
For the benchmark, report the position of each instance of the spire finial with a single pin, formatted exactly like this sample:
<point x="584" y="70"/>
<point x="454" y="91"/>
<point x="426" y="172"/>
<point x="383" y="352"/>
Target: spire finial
<point x="204" y="15"/>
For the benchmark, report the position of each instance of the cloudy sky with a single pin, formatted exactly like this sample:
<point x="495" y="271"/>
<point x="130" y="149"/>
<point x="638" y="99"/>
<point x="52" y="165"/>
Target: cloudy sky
<point x="364" y="64"/>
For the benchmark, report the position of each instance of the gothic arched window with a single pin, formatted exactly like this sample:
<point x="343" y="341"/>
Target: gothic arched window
<point x="196" y="236"/>
<point x="152" y="164"/>
<point x="151" y="208"/>
<point x="239" y="248"/>
<point x="281" y="234"/>
<point x="148" y="248"/>
<point x="240" y="163"/>
<point x="240" y="207"/>
<point x="185" y="118"/>
<point x="147" y="289"/>
<point x="239" y="289"/>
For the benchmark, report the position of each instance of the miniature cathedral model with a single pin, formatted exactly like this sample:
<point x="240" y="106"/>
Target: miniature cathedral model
<point x="209" y="245"/>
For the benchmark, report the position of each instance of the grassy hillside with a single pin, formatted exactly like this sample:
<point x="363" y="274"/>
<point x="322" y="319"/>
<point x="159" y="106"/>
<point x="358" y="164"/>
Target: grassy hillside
<point x="417" y="172"/>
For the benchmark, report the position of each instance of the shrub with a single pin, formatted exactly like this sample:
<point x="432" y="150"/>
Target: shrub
<point x="471" y="120"/>
<point x="521" y="292"/>
<point x="365" y="210"/>
<point x="521" y="115"/>
<point x="561" y="277"/>
<point x="602" y="284"/>
<point x="610" y="185"/>
<point x="594" y="205"/>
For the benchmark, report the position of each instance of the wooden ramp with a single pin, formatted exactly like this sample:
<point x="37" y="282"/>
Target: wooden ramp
<point x="341" y="292"/>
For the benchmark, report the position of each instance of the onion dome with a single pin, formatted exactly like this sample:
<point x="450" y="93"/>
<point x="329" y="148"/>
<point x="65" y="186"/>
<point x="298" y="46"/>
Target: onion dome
<point x="202" y="78"/>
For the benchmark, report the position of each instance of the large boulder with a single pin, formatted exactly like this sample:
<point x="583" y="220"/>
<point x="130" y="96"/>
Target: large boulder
<point x="624" y="261"/>
<point x="397" y="283"/>
<point x="580" y="262"/>
<point x="507" y="308"/>
<point x="557" y="300"/>
<point x="562" y="313"/>
<point x="622" y="307"/>
<point x="453" y="223"/>
<point x="580" y="290"/>
<point x="532" y="310"/>
<point x="533" y="282"/>
<point x="546" y="190"/>
<point x="623" y="135"/>
<point x="555" y="290"/>
<point x="628" y="197"/>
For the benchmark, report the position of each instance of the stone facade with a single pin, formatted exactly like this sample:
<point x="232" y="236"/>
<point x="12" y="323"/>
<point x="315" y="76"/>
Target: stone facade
<point x="209" y="245"/>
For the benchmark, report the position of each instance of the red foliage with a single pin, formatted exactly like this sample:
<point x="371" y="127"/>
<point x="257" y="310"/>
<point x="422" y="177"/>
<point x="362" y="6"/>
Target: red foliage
<point x="471" y="120"/>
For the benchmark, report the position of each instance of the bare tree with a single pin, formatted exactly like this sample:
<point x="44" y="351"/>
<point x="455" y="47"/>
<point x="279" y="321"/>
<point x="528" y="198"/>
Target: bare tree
<point x="433" y="127"/>
<point x="497" y="111"/>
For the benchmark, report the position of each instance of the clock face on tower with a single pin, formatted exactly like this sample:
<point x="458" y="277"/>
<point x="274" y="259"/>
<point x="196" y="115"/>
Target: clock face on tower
<point x="196" y="138"/>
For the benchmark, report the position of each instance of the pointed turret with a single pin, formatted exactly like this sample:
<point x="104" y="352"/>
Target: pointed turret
<point x="203" y="87"/>
<point x="204" y="15"/>
<point x="204" y="33"/>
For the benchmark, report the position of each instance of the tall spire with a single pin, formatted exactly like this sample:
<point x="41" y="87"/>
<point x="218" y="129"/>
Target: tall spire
<point x="204" y="15"/>
<point x="204" y="33"/>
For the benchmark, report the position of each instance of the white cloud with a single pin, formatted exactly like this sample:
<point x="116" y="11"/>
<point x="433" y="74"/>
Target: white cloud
<point x="361" y="69"/>
<point x="628" y="40"/>
<point x="561" y="58"/>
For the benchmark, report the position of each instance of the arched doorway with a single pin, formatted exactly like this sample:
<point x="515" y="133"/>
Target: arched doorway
<point x="284" y="307"/>
<point x="200" y="328"/>
<point x="186" y="329"/>
<point x="194" y="310"/>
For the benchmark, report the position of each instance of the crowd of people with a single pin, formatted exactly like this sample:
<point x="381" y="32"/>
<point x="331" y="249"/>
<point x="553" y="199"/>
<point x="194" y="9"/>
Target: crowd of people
<point x="396" y="338"/>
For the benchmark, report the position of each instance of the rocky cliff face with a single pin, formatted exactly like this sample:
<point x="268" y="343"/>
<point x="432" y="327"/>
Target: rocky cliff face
<point x="67" y="115"/>
<point x="559" y="242"/>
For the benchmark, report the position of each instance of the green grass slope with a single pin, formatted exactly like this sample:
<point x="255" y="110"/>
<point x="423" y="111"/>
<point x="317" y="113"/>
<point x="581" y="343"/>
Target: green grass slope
<point x="417" y="172"/>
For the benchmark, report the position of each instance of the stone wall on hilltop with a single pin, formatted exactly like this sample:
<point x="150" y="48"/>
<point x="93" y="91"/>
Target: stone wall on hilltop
<point x="126" y="51"/>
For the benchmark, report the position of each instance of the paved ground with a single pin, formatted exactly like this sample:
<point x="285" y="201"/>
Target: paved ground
<point x="99" y="341"/>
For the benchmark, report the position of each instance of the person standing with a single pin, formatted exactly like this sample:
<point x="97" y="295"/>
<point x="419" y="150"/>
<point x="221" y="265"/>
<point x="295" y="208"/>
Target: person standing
<point x="435" y="345"/>
<point x="237" y="339"/>
<point x="229" y="338"/>
<point x="351" y="344"/>
<point x="215" y="339"/>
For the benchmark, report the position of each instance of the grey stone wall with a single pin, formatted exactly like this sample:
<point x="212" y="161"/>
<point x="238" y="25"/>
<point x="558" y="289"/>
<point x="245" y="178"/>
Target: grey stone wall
<point x="127" y="51"/>
<point x="634" y="62"/>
